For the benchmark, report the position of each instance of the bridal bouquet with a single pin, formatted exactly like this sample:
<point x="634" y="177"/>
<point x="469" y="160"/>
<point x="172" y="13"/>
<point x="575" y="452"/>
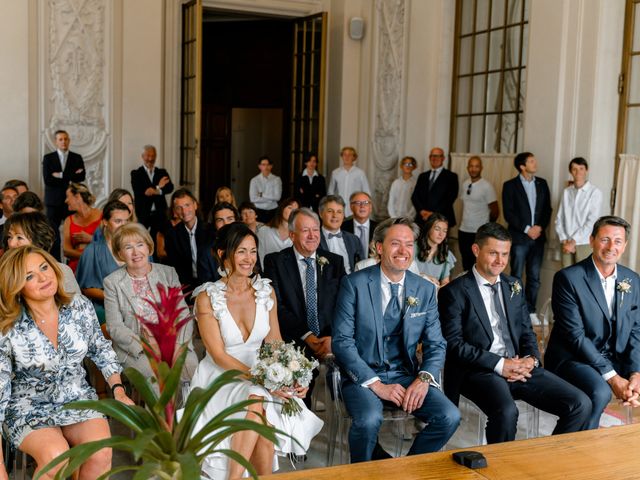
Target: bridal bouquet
<point x="282" y="366"/>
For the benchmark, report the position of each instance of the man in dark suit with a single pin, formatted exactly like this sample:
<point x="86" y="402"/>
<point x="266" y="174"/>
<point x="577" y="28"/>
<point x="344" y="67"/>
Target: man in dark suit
<point x="595" y="341"/>
<point x="333" y="238"/>
<point x="150" y="184"/>
<point x="58" y="169"/>
<point x="382" y="314"/>
<point x="360" y="224"/>
<point x="492" y="351"/>
<point x="305" y="280"/>
<point x="436" y="190"/>
<point x="186" y="238"/>
<point x="527" y="209"/>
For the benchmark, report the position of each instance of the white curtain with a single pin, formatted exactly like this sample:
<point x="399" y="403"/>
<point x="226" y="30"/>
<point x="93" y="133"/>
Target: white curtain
<point x="627" y="201"/>
<point x="497" y="168"/>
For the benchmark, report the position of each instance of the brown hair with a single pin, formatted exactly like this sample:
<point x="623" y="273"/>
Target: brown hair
<point x="127" y="231"/>
<point x="35" y="227"/>
<point x="12" y="272"/>
<point x="84" y="192"/>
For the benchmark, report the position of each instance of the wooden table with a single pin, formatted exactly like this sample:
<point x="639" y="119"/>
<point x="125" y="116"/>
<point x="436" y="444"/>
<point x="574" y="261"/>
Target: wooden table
<point x="607" y="453"/>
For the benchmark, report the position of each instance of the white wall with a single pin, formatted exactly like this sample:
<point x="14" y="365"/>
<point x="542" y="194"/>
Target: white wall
<point x="14" y="93"/>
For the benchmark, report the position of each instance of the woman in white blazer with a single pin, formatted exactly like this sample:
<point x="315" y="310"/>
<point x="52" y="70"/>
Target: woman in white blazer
<point x="125" y="291"/>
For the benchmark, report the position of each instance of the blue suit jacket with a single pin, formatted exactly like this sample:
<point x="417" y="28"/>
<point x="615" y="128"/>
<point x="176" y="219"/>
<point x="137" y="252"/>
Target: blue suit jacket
<point x="582" y="323"/>
<point x="358" y="325"/>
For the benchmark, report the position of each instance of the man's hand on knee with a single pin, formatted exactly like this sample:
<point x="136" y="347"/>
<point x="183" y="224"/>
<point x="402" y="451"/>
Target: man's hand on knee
<point x="415" y="395"/>
<point x="393" y="392"/>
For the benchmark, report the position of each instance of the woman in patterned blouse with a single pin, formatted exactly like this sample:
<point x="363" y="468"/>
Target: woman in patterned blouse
<point x="44" y="337"/>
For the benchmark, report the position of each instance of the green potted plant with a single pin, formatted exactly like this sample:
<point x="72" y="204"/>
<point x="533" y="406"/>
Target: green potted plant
<point x="164" y="446"/>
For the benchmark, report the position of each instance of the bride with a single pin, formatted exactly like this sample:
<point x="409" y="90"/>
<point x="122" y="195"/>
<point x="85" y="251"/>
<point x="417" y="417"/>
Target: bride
<point x="235" y="315"/>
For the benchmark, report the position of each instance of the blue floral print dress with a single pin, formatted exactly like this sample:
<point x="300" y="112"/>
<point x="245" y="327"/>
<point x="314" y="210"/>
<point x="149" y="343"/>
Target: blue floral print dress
<point x="37" y="380"/>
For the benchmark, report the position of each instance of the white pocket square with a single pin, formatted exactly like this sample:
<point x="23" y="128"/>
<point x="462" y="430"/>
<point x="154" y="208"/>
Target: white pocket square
<point x="417" y="314"/>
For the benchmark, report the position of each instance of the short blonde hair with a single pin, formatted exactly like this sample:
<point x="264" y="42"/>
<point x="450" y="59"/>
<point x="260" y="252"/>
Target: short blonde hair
<point x="353" y="150"/>
<point x="127" y="231"/>
<point x="13" y="274"/>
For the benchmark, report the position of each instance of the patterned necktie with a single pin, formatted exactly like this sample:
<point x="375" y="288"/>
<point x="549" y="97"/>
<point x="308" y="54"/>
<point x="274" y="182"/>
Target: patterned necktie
<point x="364" y="240"/>
<point x="194" y="252"/>
<point x="392" y="312"/>
<point x="312" y="300"/>
<point x="337" y="235"/>
<point x="504" y="327"/>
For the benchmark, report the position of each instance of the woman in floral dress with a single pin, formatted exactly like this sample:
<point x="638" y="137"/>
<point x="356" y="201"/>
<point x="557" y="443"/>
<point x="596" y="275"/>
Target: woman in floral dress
<point x="44" y="337"/>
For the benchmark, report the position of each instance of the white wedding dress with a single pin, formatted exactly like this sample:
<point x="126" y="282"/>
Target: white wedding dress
<point x="303" y="427"/>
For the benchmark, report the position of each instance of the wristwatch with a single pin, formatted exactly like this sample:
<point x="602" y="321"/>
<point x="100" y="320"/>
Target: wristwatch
<point x="426" y="377"/>
<point x="536" y="362"/>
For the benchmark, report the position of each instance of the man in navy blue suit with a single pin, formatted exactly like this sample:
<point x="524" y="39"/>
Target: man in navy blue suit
<point x="492" y="351"/>
<point x="595" y="341"/>
<point x="527" y="209"/>
<point x="382" y="314"/>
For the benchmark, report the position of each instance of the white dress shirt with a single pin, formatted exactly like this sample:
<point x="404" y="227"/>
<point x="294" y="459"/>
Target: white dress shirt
<point x="497" y="345"/>
<point x="265" y="192"/>
<point x="270" y="242"/>
<point x="361" y="230"/>
<point x="399" y="204"/>
<point x="63" y="158"/>
<point x="532" y="196"/>
<point x="434" y="173"/>
<point x="609" y="288"/>
<point x="336" y="245"/>
<point x="579" y="210"/>
<point x="302" y="268"/>
<point x="344" y="182"/>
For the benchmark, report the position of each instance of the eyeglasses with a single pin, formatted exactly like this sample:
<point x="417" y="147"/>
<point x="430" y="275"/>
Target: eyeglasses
<point x="362" y="203"/>
<point x="469" y="189"/>
<point x="408" y="164"/>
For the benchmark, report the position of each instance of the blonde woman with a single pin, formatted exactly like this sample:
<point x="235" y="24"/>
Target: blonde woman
<point x="45" y="337"/>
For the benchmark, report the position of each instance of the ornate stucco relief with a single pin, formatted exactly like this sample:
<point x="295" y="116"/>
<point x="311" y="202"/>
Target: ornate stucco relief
<point x="388" y="97"/>
<point x="74" y="83"/>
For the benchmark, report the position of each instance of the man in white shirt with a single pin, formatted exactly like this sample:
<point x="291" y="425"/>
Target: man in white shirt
<point x="335" y="240"/>
<point x="360" y="224"/>
<point x="479" y="206"/>
<point x="595" y="341"/>
<point x="399" y="204"/>
<point x="265" y="190"/>
<point x="579" y="209"/>
<point x="492" y="350"/>
<point x="348" y="178"/>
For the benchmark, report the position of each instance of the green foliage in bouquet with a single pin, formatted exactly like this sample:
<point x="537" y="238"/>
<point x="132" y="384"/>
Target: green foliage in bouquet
<point x="164" y="446"/>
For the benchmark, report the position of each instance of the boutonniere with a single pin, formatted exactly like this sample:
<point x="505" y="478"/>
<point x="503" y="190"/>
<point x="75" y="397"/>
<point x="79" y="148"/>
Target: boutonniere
<point x="623" y="287"/>
<point x="412" y="301"/>
<point x="516" y="288"/>
<point x="322" y="261"/>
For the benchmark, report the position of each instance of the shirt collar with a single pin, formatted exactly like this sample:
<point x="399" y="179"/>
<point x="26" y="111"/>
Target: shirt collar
<point x="300" y="257"/>
<point x="480" y="280"/>
<point x="193" y="230"/>
<point x="525" y="181"/>
<point x="386" y="281"/>
<point x="306" y="173"/>
<point x="327" y="232"/>
<point x="357" y="223"/>
<point x="613" y="276"/>
<point x="438" y="170"/>
<point x="60" y="152"/>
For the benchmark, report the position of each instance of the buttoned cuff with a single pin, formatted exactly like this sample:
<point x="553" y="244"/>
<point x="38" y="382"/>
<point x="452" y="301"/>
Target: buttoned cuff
<point x="306" y="335"/>
<point x="371" y="381"/>
<point x="526" y="229"/>
<point x="608" y="375"/>
<point x="499" y="367"/>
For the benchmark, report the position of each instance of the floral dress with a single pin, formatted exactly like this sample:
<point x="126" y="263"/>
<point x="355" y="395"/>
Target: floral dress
<point x="37" y="380"/>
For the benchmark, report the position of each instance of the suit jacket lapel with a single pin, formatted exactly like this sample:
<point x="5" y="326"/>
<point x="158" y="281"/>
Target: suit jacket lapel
<point x="510" y="311"/>
<point x="592" y="279"/>
<point x="523" y="193"/>
<point x="410" y="290"/>
<point x="293" y="272"/>
<point x="376" y="301"/>
<point x="478" y="304"/>
<point x="323" y="241"/>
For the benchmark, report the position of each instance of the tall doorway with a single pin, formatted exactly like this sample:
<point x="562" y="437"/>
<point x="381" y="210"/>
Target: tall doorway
<point x="246" y="97"/>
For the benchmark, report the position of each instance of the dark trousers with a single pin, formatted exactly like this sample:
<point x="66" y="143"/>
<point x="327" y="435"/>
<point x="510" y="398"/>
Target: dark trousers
<point x="544" y="390"/>
<point x="528" y="255"/>
<point x="265" y="215"/>
<point x="156" y="222"/>
<point x="365" y="408"/>
<point x="56" y="215"/>
<point x="465" y="240"/>
<point x="587" y="379"/>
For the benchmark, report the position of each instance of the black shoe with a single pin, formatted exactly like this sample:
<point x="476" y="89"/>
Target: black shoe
<point x="379" y="453"/>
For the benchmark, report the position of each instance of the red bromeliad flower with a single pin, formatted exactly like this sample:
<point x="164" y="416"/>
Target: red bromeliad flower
<point x="165" y="331"/>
